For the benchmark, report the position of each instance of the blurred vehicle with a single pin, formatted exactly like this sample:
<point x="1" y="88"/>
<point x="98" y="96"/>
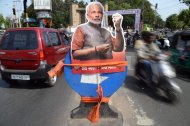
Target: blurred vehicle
<point x="163" y="75"/>
<point x="66" y="39"/>
<point x="180" y="53"/>
<point x="66" y="32"/>
<point x="163" y="43"/>
<point x="1" y="33"/>
<point x="29" y="53"/>
<point x="147" y="27"/>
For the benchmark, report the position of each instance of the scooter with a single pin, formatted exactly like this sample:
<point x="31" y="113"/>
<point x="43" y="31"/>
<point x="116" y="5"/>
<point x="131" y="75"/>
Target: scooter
<point x="163" y="43"/>
<point x="163" y="75"/>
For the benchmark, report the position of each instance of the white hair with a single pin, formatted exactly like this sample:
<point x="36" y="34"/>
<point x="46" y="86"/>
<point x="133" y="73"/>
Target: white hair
<point x="88" y="7"/>
<point x="92" y="4"/>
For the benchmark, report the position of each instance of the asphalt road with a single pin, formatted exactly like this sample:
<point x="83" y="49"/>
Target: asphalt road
<point x="30" y="104"/>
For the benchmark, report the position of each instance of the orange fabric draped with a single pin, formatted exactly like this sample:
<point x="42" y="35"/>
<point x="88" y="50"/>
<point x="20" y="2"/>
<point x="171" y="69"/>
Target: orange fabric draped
<point x="60" y="64"/>
<point x="93" y="115"/>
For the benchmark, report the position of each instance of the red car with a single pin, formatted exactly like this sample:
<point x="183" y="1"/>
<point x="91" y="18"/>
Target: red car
<point x="29" y="53"/>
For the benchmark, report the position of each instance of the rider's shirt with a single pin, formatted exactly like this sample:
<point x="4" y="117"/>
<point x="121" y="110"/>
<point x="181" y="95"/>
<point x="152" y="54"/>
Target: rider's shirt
<point x="144" y="50"/>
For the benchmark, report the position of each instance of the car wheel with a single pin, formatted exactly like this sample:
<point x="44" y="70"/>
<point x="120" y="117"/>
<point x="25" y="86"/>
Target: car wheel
<point x="51" y="81"/>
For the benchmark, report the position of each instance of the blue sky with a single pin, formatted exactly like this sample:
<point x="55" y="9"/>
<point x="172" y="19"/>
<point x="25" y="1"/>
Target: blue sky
<point x="168" y="7"/>
<point x="165" y="7"/>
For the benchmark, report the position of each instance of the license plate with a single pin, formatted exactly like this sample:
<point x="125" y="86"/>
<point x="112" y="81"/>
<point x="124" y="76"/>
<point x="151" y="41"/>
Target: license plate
<point x="20" y="77"/>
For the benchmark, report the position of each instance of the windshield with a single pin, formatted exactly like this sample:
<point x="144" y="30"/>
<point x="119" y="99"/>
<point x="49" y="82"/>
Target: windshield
<point x="19" y="40"/>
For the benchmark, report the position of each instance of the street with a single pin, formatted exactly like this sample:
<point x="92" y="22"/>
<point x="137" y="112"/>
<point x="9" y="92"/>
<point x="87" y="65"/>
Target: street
<point x="98" y="87"/>
<point x="30" y="104"/>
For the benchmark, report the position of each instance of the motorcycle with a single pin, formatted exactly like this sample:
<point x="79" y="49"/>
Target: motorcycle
<point x="163" y="75"/>
<point x="163" y="43"/>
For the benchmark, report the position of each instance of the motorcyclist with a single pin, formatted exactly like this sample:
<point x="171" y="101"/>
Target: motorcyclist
<point x="136" y="36"/>
<point x="146" y="51"/>
<point x="127" y="35"/>
<point x="161" y="35"/>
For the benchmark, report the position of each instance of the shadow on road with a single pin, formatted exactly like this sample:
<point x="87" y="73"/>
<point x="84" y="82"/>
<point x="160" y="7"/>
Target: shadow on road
<point x="183" y="75"/>
<point x="22" y="84"/>
<point x="132" y="83"/>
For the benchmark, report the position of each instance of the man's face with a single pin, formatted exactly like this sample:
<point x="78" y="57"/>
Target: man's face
<point x="151" y="39"/>
<point x="95" y="14"/>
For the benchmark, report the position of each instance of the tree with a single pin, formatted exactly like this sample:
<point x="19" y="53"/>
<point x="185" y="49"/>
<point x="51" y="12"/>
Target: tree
<point x="1" y="20"/>
<point x="147" y="12"/>
<point x="184" y="17"/>
<point x="61" y="11"/>
<point x="172" y="22"/>
<point x="31" y="12"/>
<point x="127" y="20"/>
<point x="7" y="22"/>
<point x="185" y="1"/>
<point x="159" y="22"/>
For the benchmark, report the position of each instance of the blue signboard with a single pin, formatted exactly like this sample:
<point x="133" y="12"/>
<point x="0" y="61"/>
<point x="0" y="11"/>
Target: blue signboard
<point x="86" y="84"/>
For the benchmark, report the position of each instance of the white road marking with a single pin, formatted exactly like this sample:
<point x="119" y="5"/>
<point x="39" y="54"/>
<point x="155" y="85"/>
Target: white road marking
<point x="142" y="118"/>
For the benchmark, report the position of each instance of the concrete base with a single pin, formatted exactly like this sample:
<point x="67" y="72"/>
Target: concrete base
<point x="109" y="116"/>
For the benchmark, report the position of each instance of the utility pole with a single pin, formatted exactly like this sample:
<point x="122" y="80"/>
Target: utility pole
<point x="14" y="14"/>
<point x="26" y="14"/>
<point x="17" y="10"/>
<point x="142" y="17"/>
<point x="156" y="7"/>
<point x="15" y="22"/>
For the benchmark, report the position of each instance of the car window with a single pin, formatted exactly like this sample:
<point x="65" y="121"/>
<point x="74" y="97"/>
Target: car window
<point x="19" y="40"/>
<point x="46" y="39"/>
<point x="54" y="38"/>
<point x="66" y="40"/>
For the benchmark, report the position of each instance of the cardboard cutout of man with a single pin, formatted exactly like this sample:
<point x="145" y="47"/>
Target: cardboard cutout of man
<point x="97" y="59"/>
<point x="91" y="41"/>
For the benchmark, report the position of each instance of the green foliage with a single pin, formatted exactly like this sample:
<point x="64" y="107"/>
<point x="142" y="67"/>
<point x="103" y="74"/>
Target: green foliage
<point x="31" y="12"/>
<point x="1" y="20"/>
<point x="184" y="17"/>
<point x="61" y="11"/>
<point x="127" y="20"/>
<point x="159" y="22"/>
<point x="185" y="1"/>
<point x="148" y="14"/>
<point x="7" y="22"/>
<point x="179" y="21"/>
<point x="172" y="22"/>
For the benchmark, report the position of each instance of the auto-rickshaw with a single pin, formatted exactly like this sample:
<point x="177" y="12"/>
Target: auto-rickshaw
<point x="180" y="50"/>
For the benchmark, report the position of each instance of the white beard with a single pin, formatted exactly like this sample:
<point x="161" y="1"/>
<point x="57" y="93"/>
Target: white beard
<point x="94" y="22"/>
